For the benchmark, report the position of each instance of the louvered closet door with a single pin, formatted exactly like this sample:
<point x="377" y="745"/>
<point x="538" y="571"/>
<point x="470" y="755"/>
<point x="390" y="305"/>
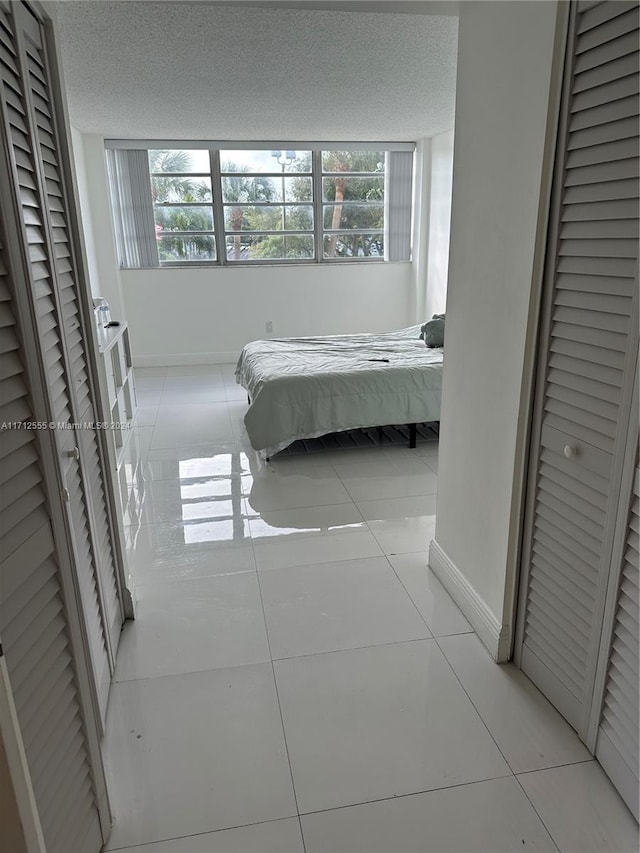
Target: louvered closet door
<point x="617" y="746"/>
<point x="31" y="124"/>
<point x="33" y="621"/>
<point x="587" y="349"/>
<point x="67" y="289"/>
<point x="49" y="320"/>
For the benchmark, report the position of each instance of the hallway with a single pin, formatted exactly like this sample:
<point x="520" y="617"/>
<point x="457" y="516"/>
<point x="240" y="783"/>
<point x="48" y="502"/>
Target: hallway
<point x="297" y="680"/>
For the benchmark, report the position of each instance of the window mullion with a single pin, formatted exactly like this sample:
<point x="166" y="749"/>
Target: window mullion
<point x="218" y="208"/>
<point x="316" y="169"/>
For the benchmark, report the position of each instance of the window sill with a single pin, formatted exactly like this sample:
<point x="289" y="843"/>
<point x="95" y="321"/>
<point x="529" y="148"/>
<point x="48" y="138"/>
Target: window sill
<point x="260" y="264"/>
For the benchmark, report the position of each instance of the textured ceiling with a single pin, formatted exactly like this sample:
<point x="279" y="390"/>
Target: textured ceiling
<point x="201" y="70"/>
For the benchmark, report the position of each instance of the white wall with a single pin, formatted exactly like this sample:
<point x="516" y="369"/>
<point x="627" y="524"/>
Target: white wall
<point x="77" y="142"/>
<point x="93" y="192"/>
<point x="504" y="72"/>
<point x="439" y="223"/>
<point x="204" y="315"/>
<point x="421" y="205"/>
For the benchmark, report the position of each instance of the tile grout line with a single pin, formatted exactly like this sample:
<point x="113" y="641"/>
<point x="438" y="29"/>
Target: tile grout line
<point x="275" y="685"/>
<point x="143" y="461"/>
<point x="354" y="648"/>
<point x="393" y="569"/>
<point x="537" y="813"/>
<point x="196" y="834"/>
<point x="458" y="679"/>
<point x="557" y="766"/>
<point x="513" y="773"/>
<point x="309" y="655"/>
<point x="393" y="797"/>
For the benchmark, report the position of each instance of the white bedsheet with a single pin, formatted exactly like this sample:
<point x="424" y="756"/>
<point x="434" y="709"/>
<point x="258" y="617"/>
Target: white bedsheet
<point x="307" y="387"/>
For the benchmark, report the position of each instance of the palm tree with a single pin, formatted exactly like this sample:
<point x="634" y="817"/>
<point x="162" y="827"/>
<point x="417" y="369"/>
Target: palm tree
<point x="351" y="187"/>
<point x="336" y="162"/>
<point x="240" y="188"/>
<point x="167" y="186"/>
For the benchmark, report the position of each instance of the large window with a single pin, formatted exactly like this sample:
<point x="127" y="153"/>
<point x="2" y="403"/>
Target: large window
<point x="242" y="205"/>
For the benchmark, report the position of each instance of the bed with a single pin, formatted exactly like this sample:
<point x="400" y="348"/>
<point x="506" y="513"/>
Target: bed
<point x="308" y="387"/>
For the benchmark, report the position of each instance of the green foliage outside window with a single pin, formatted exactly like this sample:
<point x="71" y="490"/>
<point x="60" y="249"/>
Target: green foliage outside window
<point x="254" y="204"/>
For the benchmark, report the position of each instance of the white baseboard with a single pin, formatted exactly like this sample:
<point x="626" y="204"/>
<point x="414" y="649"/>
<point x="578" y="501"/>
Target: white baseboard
<point x="495" y="636"/>
<point x="179" y="359"/>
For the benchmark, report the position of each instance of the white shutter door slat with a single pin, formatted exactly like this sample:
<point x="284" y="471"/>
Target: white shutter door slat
<point x="62" y="698"/>
<point x="557" y="631"/>
<point x="623" y="267"/>
<point x="584" y="247"/>
<point x="625" y="128"/>
<point x="568" y="489"/>
<point x="621" y="697"/>
<point x="599" y="414"/>
<point x="580" y="333"/>
<point x="582" y="394"/>
<point x="576" y="521"/>
<point x="604" y="113"/>
<point x="546" y="589"/>
<point x="568" y="580"/>
<point x="603" y="191"/>
<point x="568" y="567"/>
<point x="604" y="12"/>
<point x="601" y="74"/>
<point x="104" y="545"/>
<point x="545" y="647"/>
<point x="43" y="608"/>
<point x="87" y="575"/>
<point x="597" y="173"/>
<point x="609" y="51"/>
<point x="606" y="228"/>
<point x="562" y="418"/>
<point x="610" y="361"/>
<point x="617" y="747"/>
<point x="621" y="88"/>
<point x="598" y="210"/>
<point x="608" y="152"/>
<point x="602" y="313"/>
<point x="567" y="537"/>
<point x="569" y="374"/>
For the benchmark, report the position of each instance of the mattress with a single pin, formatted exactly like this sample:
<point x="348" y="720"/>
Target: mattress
<point x="308" y="387"/>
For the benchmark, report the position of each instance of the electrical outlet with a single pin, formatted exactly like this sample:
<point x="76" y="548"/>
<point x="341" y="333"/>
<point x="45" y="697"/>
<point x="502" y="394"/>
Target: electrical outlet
<point x="269" y="327"/>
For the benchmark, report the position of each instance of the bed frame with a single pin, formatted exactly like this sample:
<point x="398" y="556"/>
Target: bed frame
<point x="304" y="388"/>
<point x="413" y="433"/>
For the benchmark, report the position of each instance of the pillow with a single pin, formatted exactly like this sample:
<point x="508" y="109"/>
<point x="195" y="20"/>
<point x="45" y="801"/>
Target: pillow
<point x="432" y="332"/>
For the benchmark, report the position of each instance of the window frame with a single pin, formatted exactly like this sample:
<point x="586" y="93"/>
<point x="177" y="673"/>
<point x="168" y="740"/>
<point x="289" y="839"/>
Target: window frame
<point x="318" y="232"/>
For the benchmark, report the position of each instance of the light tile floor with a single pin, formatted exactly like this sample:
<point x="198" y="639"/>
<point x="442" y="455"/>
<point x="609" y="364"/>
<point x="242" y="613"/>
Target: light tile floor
<point x="297" y="679"/>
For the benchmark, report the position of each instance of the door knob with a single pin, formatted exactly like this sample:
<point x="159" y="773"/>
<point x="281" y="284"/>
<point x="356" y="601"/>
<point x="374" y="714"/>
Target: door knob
<point x="570" y="452"/>
<point x="75" y="453"/>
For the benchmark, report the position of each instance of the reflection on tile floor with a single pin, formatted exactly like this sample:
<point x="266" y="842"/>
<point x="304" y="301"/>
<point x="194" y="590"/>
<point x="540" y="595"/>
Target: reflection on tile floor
<point x="298" y="679"/>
